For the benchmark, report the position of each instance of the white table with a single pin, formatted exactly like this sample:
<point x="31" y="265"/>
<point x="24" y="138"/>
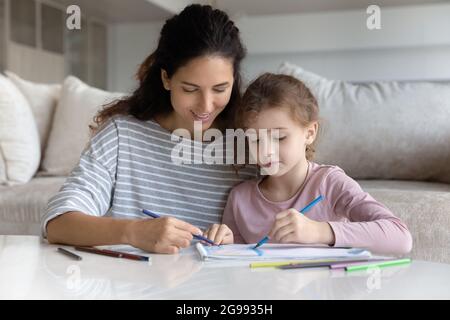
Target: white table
<point x="32" y="269"/>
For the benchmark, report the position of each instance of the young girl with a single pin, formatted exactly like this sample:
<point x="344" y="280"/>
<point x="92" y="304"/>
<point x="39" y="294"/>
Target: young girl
<point x="347" y="216"/>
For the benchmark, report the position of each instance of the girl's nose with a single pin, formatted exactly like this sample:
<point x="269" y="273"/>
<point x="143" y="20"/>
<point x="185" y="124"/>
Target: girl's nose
<point x="266" y="148"/>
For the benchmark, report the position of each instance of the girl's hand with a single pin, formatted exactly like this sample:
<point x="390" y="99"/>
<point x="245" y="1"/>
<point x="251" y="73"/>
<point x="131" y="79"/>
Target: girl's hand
<point x="219" y="234"/>
<point x="290" y="226"/>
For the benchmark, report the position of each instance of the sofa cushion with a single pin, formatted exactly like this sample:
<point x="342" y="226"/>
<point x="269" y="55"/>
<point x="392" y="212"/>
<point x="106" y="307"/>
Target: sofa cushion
<point x="404" y="185"/>
<point x="70" y="129"/>
<point x="2" y="169"/>
<point x="19" y="138"/>
<point x="424" y="207"/>
<point x="42" y="99"/>
<point x="382" y="130"/>
<point x="22" y="206"/>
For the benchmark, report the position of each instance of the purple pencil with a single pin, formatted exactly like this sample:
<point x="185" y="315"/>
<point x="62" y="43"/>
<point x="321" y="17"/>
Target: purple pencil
<point x="346" y="264"/>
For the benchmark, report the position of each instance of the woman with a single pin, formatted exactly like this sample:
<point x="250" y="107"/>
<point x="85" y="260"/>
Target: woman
<point x="194" y="75"/>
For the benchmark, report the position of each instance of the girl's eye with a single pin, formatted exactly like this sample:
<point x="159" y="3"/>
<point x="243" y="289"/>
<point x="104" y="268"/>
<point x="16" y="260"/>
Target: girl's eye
<point x="189" y="90"/>
<point x="219" y="90"/>
<point x="281" y="138"/>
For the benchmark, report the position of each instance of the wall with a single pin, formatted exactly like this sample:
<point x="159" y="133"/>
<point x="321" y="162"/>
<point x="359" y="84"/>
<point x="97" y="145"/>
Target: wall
<point x="128" y="46"/>
<point x="413" y="44"/>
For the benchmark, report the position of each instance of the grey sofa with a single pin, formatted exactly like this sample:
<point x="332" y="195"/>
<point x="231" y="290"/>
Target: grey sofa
<point x="414" y="182"/>
<point x="22" y="206"/>
<point x="424" y="206"/>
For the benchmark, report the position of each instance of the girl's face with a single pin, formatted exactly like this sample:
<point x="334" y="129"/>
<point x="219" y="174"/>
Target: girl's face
<point x="280" y="142"/>
<point x="199" y="90"/>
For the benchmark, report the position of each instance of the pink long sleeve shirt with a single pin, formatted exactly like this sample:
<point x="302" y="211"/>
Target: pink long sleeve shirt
<point x="356" y="218"/>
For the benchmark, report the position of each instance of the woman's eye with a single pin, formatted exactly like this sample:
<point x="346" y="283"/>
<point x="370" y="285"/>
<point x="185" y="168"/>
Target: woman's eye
<point x="189" y="90"/>
<point x="281" y="138"/>
<point x="219" y="90"/>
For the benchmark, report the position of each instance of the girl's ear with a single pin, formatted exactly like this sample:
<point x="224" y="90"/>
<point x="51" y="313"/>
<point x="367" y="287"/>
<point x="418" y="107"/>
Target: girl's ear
<point x="165" y="79"/>
<point x="311" y="132"/>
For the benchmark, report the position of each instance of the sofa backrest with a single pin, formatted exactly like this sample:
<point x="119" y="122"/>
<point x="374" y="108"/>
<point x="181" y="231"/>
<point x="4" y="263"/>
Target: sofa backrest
<point x="382" y="130"/>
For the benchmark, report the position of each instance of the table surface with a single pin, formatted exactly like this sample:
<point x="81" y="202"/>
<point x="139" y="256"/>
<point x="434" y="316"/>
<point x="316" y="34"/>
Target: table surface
<point x="30" y="268"/>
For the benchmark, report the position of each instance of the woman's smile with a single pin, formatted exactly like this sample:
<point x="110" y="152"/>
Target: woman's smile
<point x="203" y="117"/>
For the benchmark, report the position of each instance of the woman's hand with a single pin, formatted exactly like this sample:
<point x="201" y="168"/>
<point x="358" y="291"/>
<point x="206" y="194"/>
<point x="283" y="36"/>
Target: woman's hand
<point x="290" y="226"/>
<point x="161" y="235"/>
<point x="219" y="234"/>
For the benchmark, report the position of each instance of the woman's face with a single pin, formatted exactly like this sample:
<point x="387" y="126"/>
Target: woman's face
<point x="199" y="91"/>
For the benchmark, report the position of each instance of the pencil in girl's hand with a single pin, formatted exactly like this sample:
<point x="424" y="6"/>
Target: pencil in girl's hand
<point x="261" y="242"/>
<point x="304" y="210"/>
<point x="312" y="204"/>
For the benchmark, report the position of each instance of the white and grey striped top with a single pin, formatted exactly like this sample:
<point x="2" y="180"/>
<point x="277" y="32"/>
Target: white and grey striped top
<point x="127" y="167"/>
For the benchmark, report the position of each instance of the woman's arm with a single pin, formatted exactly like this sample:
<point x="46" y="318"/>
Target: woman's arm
<point x="76" y="214"/>
<point x="162" y="235"/>
<point x="79" y="229"/>
<point x="88" y="189"/>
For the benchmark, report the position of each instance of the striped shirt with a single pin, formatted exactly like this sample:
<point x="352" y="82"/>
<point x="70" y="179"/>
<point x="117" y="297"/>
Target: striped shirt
<point x="128" y="166"/>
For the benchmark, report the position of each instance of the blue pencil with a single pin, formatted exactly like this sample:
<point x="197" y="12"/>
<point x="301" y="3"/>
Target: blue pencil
<point x="303" y="211"/>
<point x="198" y="237"/>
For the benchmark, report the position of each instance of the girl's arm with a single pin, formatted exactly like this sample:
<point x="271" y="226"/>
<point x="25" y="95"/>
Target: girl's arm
<point x="371" y="225"/>
<point x="229" y="220"/>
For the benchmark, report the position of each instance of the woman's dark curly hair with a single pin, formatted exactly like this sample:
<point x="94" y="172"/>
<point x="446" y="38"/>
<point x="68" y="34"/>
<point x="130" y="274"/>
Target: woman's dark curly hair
<point x="196" y="31"/>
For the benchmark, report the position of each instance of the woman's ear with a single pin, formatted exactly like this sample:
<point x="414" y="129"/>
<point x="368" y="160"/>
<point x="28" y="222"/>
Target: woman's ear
<point x="165" y="79"/>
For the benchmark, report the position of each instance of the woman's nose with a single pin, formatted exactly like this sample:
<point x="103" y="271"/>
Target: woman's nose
<point x="207" y="103"/>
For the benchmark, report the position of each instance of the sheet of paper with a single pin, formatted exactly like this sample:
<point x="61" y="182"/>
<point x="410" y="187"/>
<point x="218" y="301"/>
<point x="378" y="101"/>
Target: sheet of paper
<point x="277" y="252"/>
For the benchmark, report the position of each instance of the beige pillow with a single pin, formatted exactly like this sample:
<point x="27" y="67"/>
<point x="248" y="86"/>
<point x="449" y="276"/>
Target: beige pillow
<point x="42" y="99"/>
<point x="76" y="108"/>
<point x="382" y="130"/>
<point x="19" y="140"/>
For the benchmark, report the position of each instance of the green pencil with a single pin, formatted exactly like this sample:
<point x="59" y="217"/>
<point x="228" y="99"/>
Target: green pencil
<point x="383" y="264"/>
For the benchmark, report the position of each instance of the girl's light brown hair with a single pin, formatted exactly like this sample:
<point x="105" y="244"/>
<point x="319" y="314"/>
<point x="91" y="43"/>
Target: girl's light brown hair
<point x="275" y="91"/>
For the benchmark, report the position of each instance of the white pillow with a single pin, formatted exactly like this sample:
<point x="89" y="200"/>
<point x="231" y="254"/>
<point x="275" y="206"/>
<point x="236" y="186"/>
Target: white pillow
<point x="382" y="130"/>
<point x="19" y="138"/>
<point x="69" y="135"/>
<point x="42" y="99"/>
